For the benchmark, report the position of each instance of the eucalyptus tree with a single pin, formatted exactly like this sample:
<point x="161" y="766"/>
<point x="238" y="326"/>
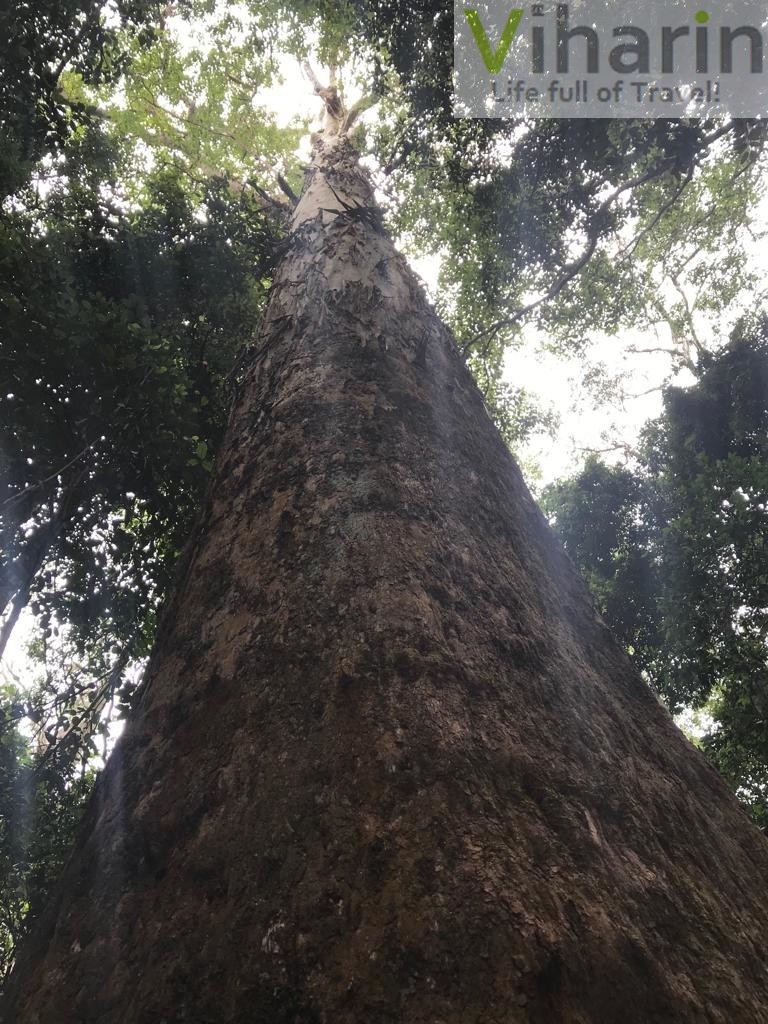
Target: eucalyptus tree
<point x="388" y="762"/>
<point x="504" y="204"/>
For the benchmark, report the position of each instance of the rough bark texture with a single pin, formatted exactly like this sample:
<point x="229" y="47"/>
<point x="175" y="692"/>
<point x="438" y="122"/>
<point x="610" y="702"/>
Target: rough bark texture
<point x="389" y="765"/>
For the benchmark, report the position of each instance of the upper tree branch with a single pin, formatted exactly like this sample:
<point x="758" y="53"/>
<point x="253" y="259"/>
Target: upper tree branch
<point x="287" y="189"/>
<point x="335" y="111"/>
<point x="594" y="233"/>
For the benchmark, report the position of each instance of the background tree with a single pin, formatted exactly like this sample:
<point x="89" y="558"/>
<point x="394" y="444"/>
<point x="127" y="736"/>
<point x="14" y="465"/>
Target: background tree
<point x="673" y="547"/>
<point x="120" y="330"/>
<point x="40" y="806"/>
<point x="42" y="41"/>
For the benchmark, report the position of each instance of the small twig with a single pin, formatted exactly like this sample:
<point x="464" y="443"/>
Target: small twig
<point x="620" y="447"/>
<point x="627" y="251"/>
<point x="41" y="483"/>
<point x="649" y="391"/>
<point x="688" y="313"/>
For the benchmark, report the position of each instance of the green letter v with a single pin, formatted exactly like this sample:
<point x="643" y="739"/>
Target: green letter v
<point x="493" y="61"/>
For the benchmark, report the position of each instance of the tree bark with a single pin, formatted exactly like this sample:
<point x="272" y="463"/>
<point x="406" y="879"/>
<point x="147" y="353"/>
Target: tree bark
<point x="389" y="765"/>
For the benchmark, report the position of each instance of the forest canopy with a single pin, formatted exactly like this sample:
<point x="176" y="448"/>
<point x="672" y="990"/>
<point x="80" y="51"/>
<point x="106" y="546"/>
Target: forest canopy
<point x="150" y="157"/>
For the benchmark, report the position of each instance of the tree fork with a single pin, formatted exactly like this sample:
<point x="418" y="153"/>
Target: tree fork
<point x="388" y="764"/>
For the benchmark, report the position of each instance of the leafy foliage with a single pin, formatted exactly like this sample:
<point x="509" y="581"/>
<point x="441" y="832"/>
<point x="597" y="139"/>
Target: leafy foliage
<point x="573" y="227"/>
<point x="39" y="810"/>
<point x="509" y="197"/>
<point x="122" y="313"/>
<point x="119" y="332"/>
<point x="193" y="103"/>
<point x="511" y="408"/>
<point x="41" y="40"/>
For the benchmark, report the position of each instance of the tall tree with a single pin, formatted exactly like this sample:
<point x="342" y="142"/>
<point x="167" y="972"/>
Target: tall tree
<point x="388" y="763"/>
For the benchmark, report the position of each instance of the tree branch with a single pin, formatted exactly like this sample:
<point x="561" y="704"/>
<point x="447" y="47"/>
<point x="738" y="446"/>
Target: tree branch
<point x="334" y="107"/>
<point x="287" y="189"/>
<point x="594" y="231"/>
<point x="357" y="109"/>
<point x="627" y="251"/>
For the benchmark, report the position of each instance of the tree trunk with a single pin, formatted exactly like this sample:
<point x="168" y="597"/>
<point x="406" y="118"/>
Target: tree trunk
<point x="389" y="765"/>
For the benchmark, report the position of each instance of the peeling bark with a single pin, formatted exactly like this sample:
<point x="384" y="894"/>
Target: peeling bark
<point x="389" y="764"/>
